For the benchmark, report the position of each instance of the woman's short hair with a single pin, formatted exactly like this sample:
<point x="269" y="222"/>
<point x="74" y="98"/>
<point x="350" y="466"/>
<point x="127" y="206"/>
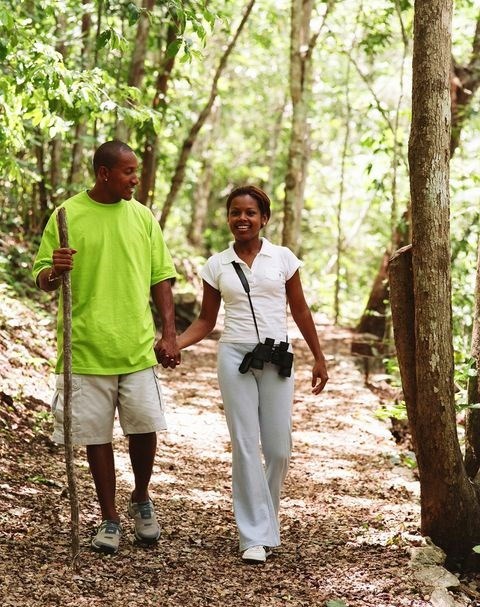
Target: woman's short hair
<point x="256" y="193"/>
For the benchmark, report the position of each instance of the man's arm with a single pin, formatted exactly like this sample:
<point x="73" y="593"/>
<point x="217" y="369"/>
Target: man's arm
<point x="166" y="348"/>
<point x="49" y="279"/>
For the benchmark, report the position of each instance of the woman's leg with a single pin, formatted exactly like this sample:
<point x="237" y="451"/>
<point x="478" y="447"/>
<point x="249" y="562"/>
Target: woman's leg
<point x="275" y="413"/>
<point x="255" y="513"/>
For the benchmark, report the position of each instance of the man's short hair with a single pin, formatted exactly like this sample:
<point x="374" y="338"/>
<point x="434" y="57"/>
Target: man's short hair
<point x="107" y="154"/>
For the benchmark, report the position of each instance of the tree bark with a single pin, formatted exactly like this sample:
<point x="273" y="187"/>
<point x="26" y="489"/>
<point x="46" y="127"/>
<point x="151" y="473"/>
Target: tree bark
<point x="450" y="510"/>
<point x="465" y="80"/>
<point x="472" y="419"/>
<point x="179" y="173"/>
<point x="400" y="275"/>
<point x="147" y="180"/>
<point x="300" y="80"/>
<point x="137" y="64"/>
<point x="76" y="175"/>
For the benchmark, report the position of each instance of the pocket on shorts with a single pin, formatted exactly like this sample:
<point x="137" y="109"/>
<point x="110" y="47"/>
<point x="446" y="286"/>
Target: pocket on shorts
<point x="58" y="396"/>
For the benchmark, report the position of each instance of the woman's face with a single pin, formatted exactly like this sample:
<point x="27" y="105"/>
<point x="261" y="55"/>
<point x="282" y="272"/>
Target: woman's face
<point x="244" y="218"/>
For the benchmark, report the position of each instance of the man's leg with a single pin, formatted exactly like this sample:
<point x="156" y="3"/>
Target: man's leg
<point x="102" y="468"/>
<point x="142" y="448"/>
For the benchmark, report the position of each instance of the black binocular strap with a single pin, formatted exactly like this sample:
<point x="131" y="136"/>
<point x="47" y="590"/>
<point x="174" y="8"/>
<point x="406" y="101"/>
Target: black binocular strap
<point x="246" y="286"/>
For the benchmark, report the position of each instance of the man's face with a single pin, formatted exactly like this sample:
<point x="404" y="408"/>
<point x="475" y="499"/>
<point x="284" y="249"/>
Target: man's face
<point x="122" y="178"/>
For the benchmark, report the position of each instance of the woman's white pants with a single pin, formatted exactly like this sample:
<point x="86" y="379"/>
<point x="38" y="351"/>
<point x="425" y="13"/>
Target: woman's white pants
<point x="258" y="410"/>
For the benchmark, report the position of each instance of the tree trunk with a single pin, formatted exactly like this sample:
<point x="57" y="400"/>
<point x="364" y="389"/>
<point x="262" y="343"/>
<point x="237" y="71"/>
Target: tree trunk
<point x="137" y="65"/>
<point x="450" y="510"/>
<point x="149" y="157"/>
<point x="400" y="277"/>
<point x="465" y="80"/>
<point x="42" y="186"/>
<point x="300" y="74"/>
<point x="179" y="173"/>
<point x="472" y="419"/>
<point x="76" y="175"/>
<point x="369" y="334"/>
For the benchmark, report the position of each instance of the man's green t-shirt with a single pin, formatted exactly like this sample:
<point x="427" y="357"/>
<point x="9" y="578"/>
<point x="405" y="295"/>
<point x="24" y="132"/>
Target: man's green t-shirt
<point x="120" y="255"/>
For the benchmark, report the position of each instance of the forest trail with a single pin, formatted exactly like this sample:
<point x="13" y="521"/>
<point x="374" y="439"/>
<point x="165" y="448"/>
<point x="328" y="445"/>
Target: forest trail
<point x="349" y="513"/>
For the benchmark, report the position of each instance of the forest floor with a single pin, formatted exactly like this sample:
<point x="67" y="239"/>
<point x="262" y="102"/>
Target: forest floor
<point x="350" y="511"/>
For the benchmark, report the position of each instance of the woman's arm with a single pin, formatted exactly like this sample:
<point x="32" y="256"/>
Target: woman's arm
<point x="205" y="323"/>
<point x="303" y="318"/>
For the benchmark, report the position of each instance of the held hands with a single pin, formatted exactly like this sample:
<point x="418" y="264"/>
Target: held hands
<point x="319" y="376"/>
<point x="167" y="353"/>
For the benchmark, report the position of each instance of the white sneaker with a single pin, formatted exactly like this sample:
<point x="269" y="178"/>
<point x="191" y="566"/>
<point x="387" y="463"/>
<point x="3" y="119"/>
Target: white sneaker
<point x="147" y="528"/>
<point x="107" y="537"/>
<point x="256" y="554"/>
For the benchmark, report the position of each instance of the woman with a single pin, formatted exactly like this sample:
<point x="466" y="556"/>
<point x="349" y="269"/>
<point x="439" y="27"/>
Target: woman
<point x="257" y="398"/>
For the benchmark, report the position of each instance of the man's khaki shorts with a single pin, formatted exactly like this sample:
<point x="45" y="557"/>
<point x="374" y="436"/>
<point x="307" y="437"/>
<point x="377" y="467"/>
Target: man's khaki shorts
<point x="95" y="399"/>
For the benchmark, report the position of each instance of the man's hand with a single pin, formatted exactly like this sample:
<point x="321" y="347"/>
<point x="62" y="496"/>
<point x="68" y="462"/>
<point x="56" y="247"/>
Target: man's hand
<point x="62" y="260"/>
<point x="167" y="353"/>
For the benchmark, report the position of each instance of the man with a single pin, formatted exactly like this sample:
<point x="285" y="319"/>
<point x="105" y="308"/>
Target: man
<point x="117" y="259"/>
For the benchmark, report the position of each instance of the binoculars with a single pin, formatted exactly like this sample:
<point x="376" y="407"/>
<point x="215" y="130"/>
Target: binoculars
<point x="266" y="353"/>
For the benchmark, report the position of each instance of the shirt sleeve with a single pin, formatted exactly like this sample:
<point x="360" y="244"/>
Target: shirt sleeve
<point x="163" y="267"/>
<point x="49" y="242"/>
<point x="291" y="262"/>
<point x="209" y="273"/>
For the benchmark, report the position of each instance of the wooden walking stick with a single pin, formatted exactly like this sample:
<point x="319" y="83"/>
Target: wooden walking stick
<point x="67" y="405"/>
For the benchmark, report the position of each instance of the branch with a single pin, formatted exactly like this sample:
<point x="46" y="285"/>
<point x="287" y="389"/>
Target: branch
<point x="67" y="405"/>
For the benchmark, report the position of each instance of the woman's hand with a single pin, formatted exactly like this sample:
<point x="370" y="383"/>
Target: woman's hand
<point x="319" y="376"/>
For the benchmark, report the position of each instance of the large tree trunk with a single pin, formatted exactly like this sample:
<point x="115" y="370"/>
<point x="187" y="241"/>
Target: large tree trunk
<point x="449" y="507"/>
<point x="179" y="173"/>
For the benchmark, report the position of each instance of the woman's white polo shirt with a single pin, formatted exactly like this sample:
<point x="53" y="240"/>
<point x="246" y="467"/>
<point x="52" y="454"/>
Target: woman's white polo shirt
<point x="271" y="269"/>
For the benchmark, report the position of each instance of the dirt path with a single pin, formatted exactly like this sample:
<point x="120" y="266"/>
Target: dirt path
<point x="349" y="514"/>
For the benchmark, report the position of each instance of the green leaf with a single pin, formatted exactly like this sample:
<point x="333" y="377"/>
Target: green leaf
<point x="335" y="603"/>
<point x="104" y="38"/>
<point x="173" y="48"/>
<point x="3" y="51"/>
<point x="476" y="549"/>
<point x="133" y="13"/>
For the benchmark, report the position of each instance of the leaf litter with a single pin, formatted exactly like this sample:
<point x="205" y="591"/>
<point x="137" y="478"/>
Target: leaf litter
<point x="350" y="511"/>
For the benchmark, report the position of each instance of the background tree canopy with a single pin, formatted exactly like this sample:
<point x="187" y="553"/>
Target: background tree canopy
<point x="75" y="74"/>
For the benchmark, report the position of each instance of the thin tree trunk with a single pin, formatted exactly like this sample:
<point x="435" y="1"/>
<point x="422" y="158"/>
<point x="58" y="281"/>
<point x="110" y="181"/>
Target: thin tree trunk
<point x="42" y="185"/>
<point x="179" y="173"/>
<point x="137" y="65"/>
<point x="146" y="187"/>
<point x="75" y="175"/>
<point x="67" y="405"/>
<point x="465" y="81"/>
<point x="472" y="419"/>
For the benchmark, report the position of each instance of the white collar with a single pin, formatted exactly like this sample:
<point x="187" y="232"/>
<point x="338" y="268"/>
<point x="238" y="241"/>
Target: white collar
<point x="229" y="254"/>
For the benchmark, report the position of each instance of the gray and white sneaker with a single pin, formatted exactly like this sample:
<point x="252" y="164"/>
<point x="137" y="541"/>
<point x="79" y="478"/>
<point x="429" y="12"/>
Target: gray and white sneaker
<point x="147" y="529"/>
<point x="107" y="537"/>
